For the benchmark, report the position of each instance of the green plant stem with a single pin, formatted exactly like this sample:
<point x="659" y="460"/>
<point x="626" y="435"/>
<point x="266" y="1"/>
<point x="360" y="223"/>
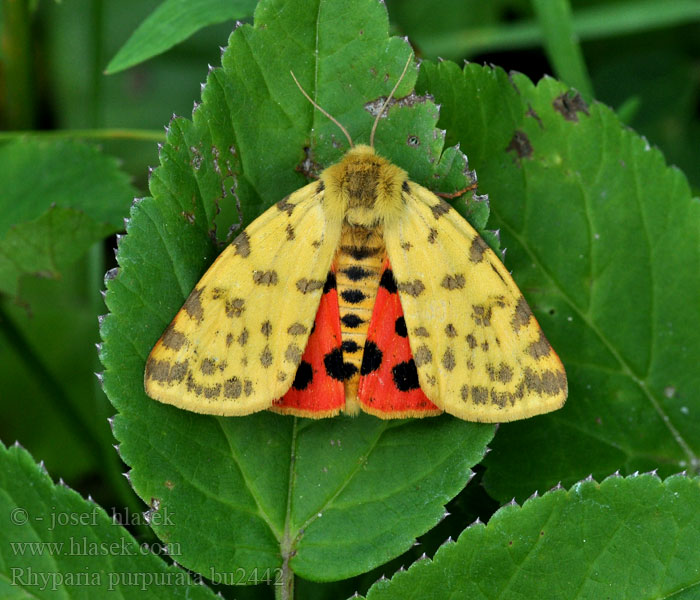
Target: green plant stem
<point x="137" y="135"/>
<point x="19" y="85"/>
<point x="561" y="44"/>
<point x="594" y="22"/>
<point x="96" y="75"/>
<point x="73" y="418"/>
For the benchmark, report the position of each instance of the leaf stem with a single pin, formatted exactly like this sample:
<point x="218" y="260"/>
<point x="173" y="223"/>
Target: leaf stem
<point x="285" y="591"/>
<point x="19" y="85"/>
<point x="137" y="135"/>
<point x="562" y="45"/>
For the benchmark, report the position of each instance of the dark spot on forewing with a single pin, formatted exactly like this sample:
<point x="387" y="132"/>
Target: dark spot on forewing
<point x="547" y="382"/>
<point x="293" y="354"/>
<point x="290" y="232"/>
<point x="285" y="205"/>
<point x="193" y="304"/>
<point x="235" y="307"/>
<point x="412" y="288"/>
<point x="540" y="348"/>
<point x="423" y="355"/>
<point x="450" y="330"/>
<point x="165" y="372"/>
<point x="266" y="328"/>
<point x="208" y="366"/>
<point x="440" y="209"/>
<point x="242" y="245"/>
<point x="296" y="329"/>
<point x="453" y="282"/>
<point x="172" y="338"/>
<point x="432" y="236"/>
<point x="265" y="277"/>
<point x="306" y="286"/>
<point x="266" y="357"/>
<point x="243" y="338"/>
<point x="477" y="249"/>
<point x="521" y="315"/>
<point x="448" y="359"/>
<point x="233" y="388"/>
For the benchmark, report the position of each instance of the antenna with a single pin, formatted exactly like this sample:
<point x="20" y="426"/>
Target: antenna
<point x="345" y="131"/>
<point x="386" y="102"/>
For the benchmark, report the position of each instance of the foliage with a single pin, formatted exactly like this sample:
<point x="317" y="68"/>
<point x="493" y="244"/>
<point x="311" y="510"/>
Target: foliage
<point x="602" y="237"/>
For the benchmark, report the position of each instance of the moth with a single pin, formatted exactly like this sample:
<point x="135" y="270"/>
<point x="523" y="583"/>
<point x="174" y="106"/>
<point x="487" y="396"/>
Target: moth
<point x="362" y="291"/>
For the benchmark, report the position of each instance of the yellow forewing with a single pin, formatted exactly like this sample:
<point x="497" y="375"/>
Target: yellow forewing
<point x="480" y="353"/>
<point x="235" y="345"/>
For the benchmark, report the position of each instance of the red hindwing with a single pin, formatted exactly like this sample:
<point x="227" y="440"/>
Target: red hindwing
<point x="389" y="386"/>
<point x="314" y="393"/>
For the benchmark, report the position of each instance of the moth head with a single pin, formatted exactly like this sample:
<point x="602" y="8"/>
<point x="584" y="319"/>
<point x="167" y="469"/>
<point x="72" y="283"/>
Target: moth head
<point x="366" y="187"/>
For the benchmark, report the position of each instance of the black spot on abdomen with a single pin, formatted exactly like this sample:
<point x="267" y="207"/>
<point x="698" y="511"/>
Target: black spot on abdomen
<point x="352" y="296"/>
<point x="352" y="321"/>
<point x="405" y="376"/>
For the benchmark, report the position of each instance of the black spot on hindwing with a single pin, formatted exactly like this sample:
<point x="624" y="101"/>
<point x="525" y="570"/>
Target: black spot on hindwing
<point x="336" y="367"/>
<point x="405" y="376"/>
<point x="371" y="358"/>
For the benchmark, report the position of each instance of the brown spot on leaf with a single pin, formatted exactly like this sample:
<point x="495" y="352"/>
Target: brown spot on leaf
<point x="520" y="144"/>
<point x="570" y="103"/>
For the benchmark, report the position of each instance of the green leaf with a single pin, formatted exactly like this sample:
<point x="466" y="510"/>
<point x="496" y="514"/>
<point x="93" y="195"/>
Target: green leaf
<point x="622" y="538"/>
<point x="329" y="498"/>
<point x="58" y="199"/>
<point x="171" y="23"/>
<point x="604" y="240"/>
<point x="53" y="542"/>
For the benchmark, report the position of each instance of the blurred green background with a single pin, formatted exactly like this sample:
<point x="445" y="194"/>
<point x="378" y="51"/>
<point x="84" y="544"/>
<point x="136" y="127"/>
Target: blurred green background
<point x="640" y="57"/>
